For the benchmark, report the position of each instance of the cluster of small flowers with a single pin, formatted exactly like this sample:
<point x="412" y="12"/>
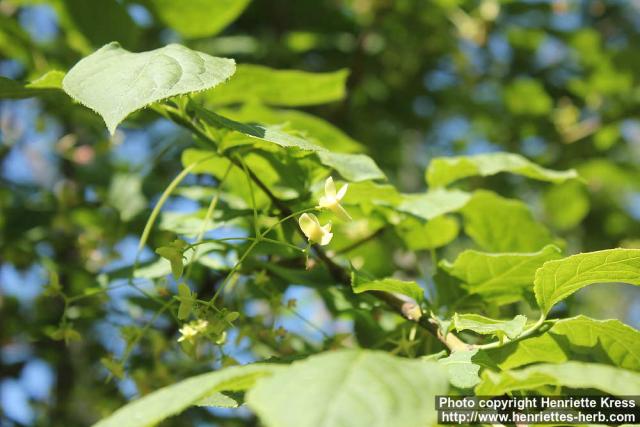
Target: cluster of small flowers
<point x="192" y="329"/>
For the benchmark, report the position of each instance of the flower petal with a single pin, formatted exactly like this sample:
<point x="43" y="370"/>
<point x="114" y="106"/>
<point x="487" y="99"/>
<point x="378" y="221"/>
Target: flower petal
<point x="306" y="224"/>
<point x="342" y="192"/>
<point x="340" y="212"/>
<point x="330" y="188"/>
<point x="326" y="238"/>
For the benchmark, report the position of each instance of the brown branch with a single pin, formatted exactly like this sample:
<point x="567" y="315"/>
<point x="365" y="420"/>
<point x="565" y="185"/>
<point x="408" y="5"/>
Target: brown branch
<point x="405" y="308"/>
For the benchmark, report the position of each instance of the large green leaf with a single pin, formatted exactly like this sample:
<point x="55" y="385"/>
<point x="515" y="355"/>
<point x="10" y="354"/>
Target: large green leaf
<point x="352" y="167"/>
<point x="289" y="88"/>
<point x="486" y="326"/>
<point x="576" y="375"/>
<point x="606" y="341"/>
<point x="115" y="82"/>
<point x="408" y="288"/>
<point x="503" y="225"/>
<point x="499" y="277"/>
<point x="155" y="407"/>
<point x="558" y="279"/>
<point x="445" y="170"/>
<point x="356" y="388"/>
<point x="198" y="18"/>
<point x="620" y="343"/>
<point x="432" y="204"/>
<point x="49" y="83"/>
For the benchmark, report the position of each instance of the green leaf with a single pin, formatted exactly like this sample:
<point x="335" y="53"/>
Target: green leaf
<point x="408" y="288"/>
<point x="352" y="167"/>
<point x="269" y="134"/>
<point x="199" y="18"/>
<point x="620" y="343"/>
<point x="503" y="225"/>
<point x="445" y="170"/>
<point x="49" y="80"/>
<point x="357" y="388"/>
<point x="288" y="88"/>
<point x="101" y="21"/>
<point x="174" y="253"/>
<point x="49" y="83"/>
<point x="125" y="194"/>
<point x="605" y="341"/>
<point x="161" y="404"/>
<point x="186" y="301"/>
<point x="217" y="400"/>
<point x="542" y="348"/>
<point x="161" y="266"/>
<point x="558" y="279"/>
<point x="615" y="381"/>
<point x="527" y="96"/>
<point x="311" y="127"/>
<point x="566" y="205"/>
<point x="486" y="326"/>
<point x="115" y="82"/>
<point x="501" y="277"/>
<point x="433" y="203"/>
<point x="463" y="373"/>
<point x="433" y="234"/>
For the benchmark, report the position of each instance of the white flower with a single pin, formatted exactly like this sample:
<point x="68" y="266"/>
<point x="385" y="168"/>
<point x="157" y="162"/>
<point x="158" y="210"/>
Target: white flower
<point x="331" y="199"/>
<point x="315" y="232"/>
<point x="192" y="329"/>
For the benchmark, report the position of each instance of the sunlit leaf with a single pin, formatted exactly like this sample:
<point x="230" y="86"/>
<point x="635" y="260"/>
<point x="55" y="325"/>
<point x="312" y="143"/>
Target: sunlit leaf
<point x="409" y="288"/>
<point x="49" y="83"/>
<point x="558" y="279"/>
<point x="576" y="375"/>
<point x="436" y="233"/>
<point x="352" y="167"/>
<point x="289" y="88"/>
<point x="217" y="400"/>
<point x="199" y="18"/>
<point x="486" y="326"/>
<point x="445" y="170"/>
<point x="499" y="277"/>
<point x="171" y="400"/>
<point x="350" y="387"/>
<point x="434" y="203"/>
<point x="115" y="82"/>
<point x="503" y="225"/>
<point x="314" y="128"/>
<point x="605" y="341"/>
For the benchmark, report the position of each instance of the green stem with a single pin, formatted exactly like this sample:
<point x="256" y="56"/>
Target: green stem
<point x="505" y="341"/>
<point x="163" y="198"/>
<point x="207" y="218"/>
<point x="259" y="238"/>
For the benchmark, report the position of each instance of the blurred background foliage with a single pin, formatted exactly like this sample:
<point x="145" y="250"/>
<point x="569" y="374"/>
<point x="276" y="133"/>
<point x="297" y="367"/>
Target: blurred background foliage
<point x="555" y="80"/>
